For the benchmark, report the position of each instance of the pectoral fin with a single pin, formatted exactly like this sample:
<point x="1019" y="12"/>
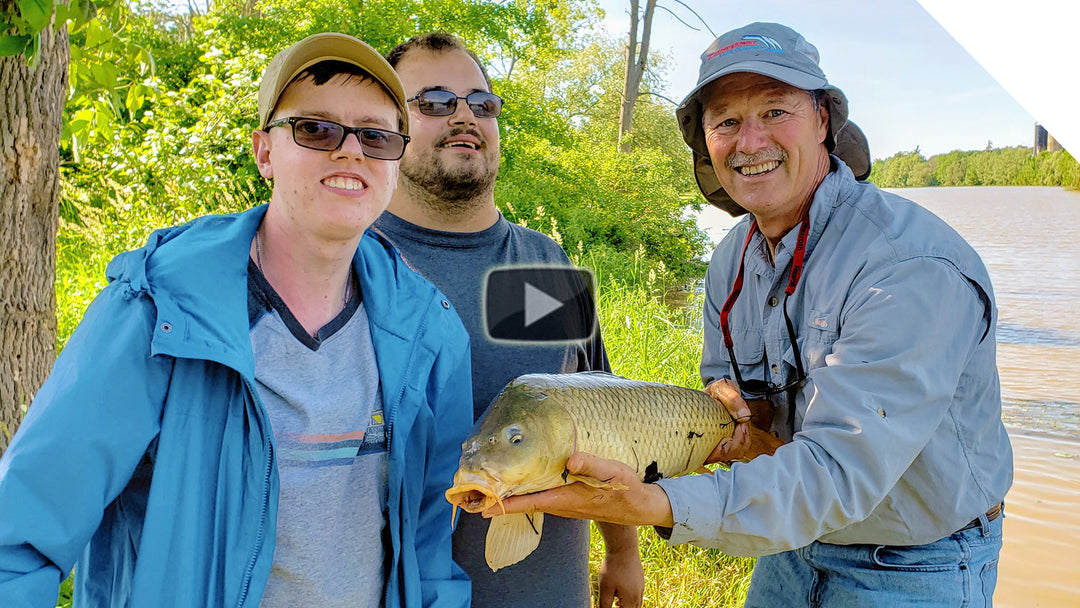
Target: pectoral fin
<point x="594" y="482"/>
<point x="511" y="538"/>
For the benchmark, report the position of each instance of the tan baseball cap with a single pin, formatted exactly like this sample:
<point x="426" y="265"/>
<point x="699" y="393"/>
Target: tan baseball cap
<point x="327" y="46"/>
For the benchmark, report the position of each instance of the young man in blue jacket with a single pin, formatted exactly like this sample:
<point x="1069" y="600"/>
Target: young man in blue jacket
<point x="261" y="409"/>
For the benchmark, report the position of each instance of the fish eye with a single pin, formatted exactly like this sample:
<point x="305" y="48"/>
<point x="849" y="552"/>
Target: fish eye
<point x="513" y="434"/>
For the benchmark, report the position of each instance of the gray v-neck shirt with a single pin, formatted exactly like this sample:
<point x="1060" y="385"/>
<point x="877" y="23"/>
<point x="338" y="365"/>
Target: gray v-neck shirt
<point x="322" y="396"/>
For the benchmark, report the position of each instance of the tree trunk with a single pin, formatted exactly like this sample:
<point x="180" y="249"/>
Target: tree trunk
<point x="635" y="69"/>
<point x="31" y="106"/>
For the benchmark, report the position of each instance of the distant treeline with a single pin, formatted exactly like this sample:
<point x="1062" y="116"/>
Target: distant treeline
<point x="1018" y="166"/>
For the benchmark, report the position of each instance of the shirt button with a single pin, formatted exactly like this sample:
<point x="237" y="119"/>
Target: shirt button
<point x="881" y="413"/>
<point x="773" y="301"/>
<point x="775" y="368"/>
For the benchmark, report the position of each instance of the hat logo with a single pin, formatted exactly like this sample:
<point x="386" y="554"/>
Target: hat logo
<point x="748" y="41"/>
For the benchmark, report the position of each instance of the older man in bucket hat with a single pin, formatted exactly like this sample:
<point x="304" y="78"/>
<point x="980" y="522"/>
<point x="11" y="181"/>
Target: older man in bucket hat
<point x="866" y="321"/>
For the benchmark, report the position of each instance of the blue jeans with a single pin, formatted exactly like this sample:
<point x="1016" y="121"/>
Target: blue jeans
<point x="959" y="570"/>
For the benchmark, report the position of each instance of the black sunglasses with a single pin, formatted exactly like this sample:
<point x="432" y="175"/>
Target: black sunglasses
<point x="756" y="387"/>
<point x="327" y="135"/>
<point x="437" y="102"/>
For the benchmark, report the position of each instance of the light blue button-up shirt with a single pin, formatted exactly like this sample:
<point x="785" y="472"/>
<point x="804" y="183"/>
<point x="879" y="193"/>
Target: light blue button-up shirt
<point x="896" y="436"/>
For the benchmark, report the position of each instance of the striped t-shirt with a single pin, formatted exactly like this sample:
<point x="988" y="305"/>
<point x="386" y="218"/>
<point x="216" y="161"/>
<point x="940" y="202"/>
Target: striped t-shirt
<point x="322" y="396"/>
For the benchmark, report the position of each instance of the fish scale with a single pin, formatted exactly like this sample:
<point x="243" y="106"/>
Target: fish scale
<point x="619" y="419"/>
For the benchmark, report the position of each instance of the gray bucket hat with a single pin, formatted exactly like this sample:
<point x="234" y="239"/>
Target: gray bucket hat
<point x="776" y="51"/>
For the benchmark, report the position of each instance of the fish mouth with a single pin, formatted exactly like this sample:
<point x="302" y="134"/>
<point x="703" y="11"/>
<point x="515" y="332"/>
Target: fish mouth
<point x="471" y="496"/>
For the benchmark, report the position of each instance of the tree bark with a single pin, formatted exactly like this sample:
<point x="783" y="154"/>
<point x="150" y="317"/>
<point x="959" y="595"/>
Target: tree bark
<point x="636" y="61"/>
<point x="31" y="107"/>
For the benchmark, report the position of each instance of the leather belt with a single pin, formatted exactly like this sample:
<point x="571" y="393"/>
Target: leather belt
<point x="991" y="515"/>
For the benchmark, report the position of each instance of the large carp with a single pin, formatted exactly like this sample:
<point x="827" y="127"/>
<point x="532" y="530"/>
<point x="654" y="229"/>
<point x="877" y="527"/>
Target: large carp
<point x="522" y="442"/>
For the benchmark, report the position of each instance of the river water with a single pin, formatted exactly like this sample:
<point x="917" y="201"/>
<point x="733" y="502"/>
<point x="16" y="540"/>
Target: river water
<point x="1029" y="238"/>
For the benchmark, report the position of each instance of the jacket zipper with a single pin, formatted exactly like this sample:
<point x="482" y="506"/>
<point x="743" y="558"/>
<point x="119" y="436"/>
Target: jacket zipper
<point x="245" y="584"/>
<point x="393" y="412"/>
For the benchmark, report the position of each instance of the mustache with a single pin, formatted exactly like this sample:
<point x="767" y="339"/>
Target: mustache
<point x="462" y="131"/>
<point x="739" y="159"/>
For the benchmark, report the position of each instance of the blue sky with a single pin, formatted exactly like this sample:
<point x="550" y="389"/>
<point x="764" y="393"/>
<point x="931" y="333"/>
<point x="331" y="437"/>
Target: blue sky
<point x="908" y="81"/>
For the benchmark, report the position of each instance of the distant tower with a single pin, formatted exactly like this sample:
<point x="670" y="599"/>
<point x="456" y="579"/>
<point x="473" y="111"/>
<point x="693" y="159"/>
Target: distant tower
<point x="1041" y="137"/>
<point x="1044" y="141"/>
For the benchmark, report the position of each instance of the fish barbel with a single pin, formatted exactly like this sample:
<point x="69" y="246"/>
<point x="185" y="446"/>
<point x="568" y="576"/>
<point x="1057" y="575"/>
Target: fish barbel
<point x="522" y="442"/>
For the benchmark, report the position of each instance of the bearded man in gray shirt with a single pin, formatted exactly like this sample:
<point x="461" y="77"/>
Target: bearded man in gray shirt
<point x="444" y="220"/>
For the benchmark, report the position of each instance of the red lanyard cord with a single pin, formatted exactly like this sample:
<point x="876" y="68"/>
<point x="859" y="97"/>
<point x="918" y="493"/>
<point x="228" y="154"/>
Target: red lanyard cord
<point x="797" y="264"/>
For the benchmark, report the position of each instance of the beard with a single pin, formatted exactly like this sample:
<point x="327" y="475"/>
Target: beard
<point x="450" y="188"/>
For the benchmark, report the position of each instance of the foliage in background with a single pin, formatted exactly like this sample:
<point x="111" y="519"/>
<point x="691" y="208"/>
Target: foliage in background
<point x="1015" y="166"/>
<point x="22" y="21"/>
<point x="158" y="126"/>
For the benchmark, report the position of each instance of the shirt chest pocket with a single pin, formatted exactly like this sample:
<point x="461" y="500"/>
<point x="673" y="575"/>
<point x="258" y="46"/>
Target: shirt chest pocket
<point x="749" y="347"/>
<point x="819" y="330"/>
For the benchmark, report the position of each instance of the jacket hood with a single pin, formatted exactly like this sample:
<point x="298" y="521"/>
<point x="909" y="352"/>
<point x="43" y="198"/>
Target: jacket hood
<point x="196" y="275"/>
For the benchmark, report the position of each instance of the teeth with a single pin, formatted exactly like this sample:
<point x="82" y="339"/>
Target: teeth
<point x="462" y="144"/>
<point x="344" y="183"/>
<point x="762" y="168"/>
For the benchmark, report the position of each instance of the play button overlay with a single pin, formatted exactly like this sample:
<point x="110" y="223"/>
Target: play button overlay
<point x="539" y="304"/>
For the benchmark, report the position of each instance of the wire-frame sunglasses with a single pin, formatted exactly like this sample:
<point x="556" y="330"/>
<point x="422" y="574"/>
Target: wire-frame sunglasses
<point x="439" y="102"/>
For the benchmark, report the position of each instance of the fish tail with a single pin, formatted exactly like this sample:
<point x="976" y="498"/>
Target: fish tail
<point x="762" y="442"/>
<point x="761" y="412"/>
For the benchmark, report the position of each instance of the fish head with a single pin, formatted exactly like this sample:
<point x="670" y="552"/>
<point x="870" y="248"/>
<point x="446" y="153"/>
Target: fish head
<point x="519" y="445"/>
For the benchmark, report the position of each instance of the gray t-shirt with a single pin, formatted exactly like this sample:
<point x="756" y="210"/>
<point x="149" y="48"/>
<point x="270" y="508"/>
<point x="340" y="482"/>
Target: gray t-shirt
<point x="322" y="396"/>
<point x="556" y="574"/>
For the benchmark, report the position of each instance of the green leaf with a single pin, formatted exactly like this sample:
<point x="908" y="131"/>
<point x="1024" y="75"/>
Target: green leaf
<point x="97" y="33"/>
<point x="105" y="74"/>
<point x="33" y="57"/>
<point x="136" y="95"/>
<point x="13" y="45"/>
<point x="36" y="12"/>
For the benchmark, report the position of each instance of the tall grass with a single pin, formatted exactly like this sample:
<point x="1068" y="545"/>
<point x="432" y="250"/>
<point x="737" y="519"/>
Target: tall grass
<point x="648" y="339"/>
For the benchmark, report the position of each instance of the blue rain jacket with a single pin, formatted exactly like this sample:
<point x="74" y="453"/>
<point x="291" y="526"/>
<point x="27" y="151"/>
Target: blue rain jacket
<point x="148" y="458"/>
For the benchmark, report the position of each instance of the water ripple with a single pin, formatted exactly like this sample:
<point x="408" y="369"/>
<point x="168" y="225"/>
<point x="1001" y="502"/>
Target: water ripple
<point x="1008" y="333"/>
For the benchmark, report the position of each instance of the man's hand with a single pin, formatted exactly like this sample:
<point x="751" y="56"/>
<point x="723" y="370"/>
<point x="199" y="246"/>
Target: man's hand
<point x="621" y="574"/>
<point x="640" y="504"/>
<point x="737" y="446"/>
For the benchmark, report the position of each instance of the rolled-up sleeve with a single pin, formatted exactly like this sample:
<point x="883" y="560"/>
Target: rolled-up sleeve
<point x="907" y="334"/>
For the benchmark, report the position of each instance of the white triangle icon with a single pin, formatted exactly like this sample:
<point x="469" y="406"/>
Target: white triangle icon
<point x="538" y="304"/>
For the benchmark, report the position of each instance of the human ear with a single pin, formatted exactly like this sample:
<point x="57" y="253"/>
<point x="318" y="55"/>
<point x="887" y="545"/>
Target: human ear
<point x="260" y="147"/>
